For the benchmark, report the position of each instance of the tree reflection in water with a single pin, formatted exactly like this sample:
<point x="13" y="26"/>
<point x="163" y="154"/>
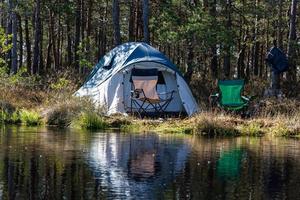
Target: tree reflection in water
<point x="45" y="164"/>
<point x="137" y="166"/>
<point x="260" y="168"/>
<point x="49" y="164"/>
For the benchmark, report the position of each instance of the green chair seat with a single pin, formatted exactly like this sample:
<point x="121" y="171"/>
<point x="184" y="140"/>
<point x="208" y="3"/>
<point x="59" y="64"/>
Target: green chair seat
<point x="231" y="94"/>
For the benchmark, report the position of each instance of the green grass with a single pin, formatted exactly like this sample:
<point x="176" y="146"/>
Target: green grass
<point x="30" y="118"/>
<point x="275" y="118"/>
<point x="91" y="121"/>
<point x="131" y="128"/>
<point x="4" y="116"/>
<point x="251" y="128"/>
<point x="283" y="130"/>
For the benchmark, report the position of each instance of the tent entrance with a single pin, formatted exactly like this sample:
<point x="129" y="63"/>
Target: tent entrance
<point x="165" y="82"/>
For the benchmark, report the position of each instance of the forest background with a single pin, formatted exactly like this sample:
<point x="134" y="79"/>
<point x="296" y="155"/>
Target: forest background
<point x="53" y="44"/>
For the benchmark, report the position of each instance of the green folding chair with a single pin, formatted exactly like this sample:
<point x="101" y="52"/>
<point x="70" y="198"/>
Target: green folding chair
<point x="230" y="96"/>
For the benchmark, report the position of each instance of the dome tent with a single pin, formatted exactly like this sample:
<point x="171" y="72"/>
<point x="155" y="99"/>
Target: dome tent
<point x="109" y="84"/>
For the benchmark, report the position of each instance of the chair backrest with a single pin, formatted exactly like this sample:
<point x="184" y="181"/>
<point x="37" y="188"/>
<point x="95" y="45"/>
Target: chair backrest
<point x="231" y="91"/>
<point x="145" y="80"/>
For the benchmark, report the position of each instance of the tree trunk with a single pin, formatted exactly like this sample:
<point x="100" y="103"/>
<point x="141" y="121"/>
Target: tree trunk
<point x="41" y="58"/>
<point x="256" y="43"/>
<point x="226" y="64"/>
<point x="190" y="63"/>
<point x="292" y="42"/>
<point x="88" y="29"/>
<point x="131" y="20"/>
<point x="28" y="45"/>
<point x="214" y="56"/>
<point x="139" y="22"/>
<point x="262" y="59"/>
<point x="116" y="23"/>
<point x="20" y="29"/>
<point x="256" y="58"/>
<point x="77" y="34"/>
<point x="14" y="49"/>
<point x="8" y="32"/>
<point x="53" y="38"/>
<point x="37" y="37"/>
<point x="69" y="44"/>
<point x="49" y="47"/>
<point x="247" y="75"/>
<point x="59" y="41"/>
<point x="146" y="21"/>
<point x="83" y="20"/>
<point x="2" y="18"/>
<point x="241" y="59"/>
<point x="279" y="25"/>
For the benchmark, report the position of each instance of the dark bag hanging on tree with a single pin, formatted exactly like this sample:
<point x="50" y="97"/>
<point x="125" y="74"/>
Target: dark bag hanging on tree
<point x="277" y="60"/>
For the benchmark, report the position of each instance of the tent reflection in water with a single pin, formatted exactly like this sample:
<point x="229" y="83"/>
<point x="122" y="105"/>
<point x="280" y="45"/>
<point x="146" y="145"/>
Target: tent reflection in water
<point x="229" y="164"/>
<point x="136" y="166"/>
<point x="111" y="85"/>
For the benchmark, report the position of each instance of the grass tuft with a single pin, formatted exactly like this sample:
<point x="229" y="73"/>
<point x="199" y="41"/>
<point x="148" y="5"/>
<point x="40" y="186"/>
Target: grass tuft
<point x="251" y="128"/>
<point x="62" y="114"/>
<point x="283" y="130"/>
<point x="30" y="118"/>
<point x="208" y="124"/>
<point x="91" y="121"/>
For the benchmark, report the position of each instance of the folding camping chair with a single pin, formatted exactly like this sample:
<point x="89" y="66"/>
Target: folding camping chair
<point x="144" y="96"/>
<point x="230" y="96"/>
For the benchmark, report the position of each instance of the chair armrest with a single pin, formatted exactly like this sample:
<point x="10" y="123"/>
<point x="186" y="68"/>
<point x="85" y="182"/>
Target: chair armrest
<point x="166" y="95"/>
<point x="246" y="98"/>
<point x="214" y="95"/>
<point x="162" y="93"/>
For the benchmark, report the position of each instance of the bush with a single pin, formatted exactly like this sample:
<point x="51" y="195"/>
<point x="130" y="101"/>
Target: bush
<point x="251" y="129"/>
<point x="8" y="113"/>
<point x="274" y="107"/>
<point x="91" y="121"/>
<point x="284" y="130"/>
<point x="3" y="116"/>
<point x="61" y="115"/>
<point x="64" y="112"/>
<point x="30" y="118"/>
<point x="210" y="125"/>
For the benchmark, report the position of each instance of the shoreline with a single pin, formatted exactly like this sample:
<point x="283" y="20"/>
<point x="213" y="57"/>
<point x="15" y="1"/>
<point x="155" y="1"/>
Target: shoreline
<point x="204" y="124"/>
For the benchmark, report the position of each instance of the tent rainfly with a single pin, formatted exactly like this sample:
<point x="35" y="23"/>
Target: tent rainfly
<point x="110" y="83"/>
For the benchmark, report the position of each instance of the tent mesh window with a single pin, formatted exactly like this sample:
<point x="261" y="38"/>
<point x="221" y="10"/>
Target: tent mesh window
<point x="148" y="72"/>
<point x="161" y="79"/>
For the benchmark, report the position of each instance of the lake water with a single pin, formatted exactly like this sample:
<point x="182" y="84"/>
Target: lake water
<point x="39" y="163"/>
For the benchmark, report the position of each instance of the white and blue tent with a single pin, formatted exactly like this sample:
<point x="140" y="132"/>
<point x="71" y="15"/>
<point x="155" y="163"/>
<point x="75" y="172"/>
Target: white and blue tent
<point x="109" y="84"/>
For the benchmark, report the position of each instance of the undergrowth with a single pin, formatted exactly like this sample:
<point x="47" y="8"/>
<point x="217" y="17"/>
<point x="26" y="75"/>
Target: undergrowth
<point x="91" y="121"/>
<point x="30" y="118"/>
<point x="32" y="101"/>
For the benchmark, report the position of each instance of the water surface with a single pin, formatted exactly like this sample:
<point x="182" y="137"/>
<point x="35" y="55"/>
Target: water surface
<point x="39" y="163"/>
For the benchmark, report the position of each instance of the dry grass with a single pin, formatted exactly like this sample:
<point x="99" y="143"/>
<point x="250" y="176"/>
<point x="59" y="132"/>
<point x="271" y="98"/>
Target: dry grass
<point x="62" y="114"/>
<point x="58" y="107"/>
<point x="22" y="97"/>
<point x="212" y="124"/>
<point x="272" y="107"/>
<point x="221" y="124"/>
